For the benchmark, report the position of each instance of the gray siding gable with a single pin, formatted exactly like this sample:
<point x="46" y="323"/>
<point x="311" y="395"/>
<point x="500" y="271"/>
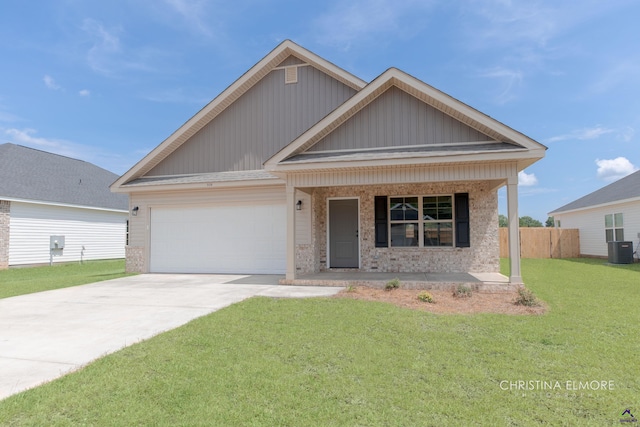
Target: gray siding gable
<point x="397" y="119"/>
<point x="30" y="174"/>
<point x="622" y="189"/>
<point x="258" y="124"/>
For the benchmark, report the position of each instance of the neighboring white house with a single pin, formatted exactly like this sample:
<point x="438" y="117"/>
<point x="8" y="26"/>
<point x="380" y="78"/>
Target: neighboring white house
<point x="44" y="195"/>
<point x="611" y="213"/>
<point x="300" y="167"/>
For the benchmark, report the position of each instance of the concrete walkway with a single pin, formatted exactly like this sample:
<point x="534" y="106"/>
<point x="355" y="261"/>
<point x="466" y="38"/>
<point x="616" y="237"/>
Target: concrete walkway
<point x="45" y="335"/>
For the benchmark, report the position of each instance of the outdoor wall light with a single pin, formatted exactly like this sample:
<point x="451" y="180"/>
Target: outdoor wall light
<point x="299" y="205"/>
<point x="134" y="211"/>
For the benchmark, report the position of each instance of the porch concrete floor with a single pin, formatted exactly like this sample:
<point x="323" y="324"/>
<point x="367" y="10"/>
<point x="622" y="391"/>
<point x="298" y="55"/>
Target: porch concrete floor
<point x="483" y="282"/>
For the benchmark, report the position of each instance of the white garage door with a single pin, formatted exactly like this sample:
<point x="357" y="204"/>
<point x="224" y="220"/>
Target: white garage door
<point x="219" y="239"/>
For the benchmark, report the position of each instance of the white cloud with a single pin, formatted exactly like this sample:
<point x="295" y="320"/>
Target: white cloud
<point x="192" y="12"/>
<point x="527" y="179"/>
<point x="613" y="169"/>
<point x="27" y="137"/>
<point x="511" y="81"/>
<point x="508" y="22"/>
<point x="352" y="21"/>
<point x="51" y="83"/>
<point x="84" y="92"/>
<point x="584" y="134"/>
<point x="627" y="134"/>
<point x="617" y="74"/>
<point x="8" y="117"/>
<point x="106" y="44"/>
<point x="110" y="57"/>
<point x="96" y="155"/>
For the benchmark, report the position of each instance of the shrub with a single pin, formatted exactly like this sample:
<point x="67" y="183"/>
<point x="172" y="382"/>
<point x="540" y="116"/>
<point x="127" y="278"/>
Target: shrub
<point x="425" y="296"/>
<point x="392" y="284"/>
<point x="351" y="288"/>
<point x="527" y="298"/>
<point x="462" y="291"/>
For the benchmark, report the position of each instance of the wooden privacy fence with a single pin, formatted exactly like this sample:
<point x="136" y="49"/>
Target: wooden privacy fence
<point x="536" y="242"/>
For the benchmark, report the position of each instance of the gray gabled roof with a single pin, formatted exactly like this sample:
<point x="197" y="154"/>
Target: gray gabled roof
<point x="198" y="178"/>
<point x="623" y="189"/>
<point x="30" y="174"/>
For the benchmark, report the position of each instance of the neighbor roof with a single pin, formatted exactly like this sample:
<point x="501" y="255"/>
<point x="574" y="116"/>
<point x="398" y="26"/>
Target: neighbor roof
<point x="624" y="189"/>
<point x="34" y="175"/>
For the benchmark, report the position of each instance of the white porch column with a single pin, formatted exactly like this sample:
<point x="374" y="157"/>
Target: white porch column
<point x="514" y="230"/>
<point x="291" y="232"/>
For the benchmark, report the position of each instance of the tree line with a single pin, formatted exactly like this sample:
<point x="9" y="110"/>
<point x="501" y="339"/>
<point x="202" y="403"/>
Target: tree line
<point x="525" y="221"/>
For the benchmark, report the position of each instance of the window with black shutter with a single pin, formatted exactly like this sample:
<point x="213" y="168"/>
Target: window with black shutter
<point x="382" y="240"/>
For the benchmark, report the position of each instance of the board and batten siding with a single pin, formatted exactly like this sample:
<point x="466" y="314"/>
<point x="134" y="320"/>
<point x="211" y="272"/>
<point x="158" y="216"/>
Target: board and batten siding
<point x="101" y="233"/>
<point x="257" y="125"/>
<point x="395" y="119"/>
<point x="590" y="222"/>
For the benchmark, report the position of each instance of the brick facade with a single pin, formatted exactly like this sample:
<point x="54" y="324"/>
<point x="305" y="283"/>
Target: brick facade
<point x="134" y="259"/>
<point x="5" y="215"/>
<point x="482" y="256"/>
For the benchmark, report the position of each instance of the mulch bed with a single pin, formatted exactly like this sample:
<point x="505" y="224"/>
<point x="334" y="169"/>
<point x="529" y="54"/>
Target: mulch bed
<point x="445" y="302"/>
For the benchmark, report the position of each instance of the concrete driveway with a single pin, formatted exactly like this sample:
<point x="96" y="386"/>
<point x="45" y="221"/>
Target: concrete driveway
<point x="48" y="334"/>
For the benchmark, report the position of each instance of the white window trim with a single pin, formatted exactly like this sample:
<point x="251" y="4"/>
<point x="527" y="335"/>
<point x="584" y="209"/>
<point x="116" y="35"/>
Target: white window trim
<point x="421" y="221"/>
<point x="614" y="226"/>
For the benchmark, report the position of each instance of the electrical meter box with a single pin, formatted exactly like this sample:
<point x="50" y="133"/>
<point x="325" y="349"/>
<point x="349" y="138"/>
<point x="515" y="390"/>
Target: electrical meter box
<point x="56" y="242"/>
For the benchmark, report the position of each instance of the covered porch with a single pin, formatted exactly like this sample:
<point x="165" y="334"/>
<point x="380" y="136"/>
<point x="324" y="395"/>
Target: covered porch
<point x="478" y="282"/>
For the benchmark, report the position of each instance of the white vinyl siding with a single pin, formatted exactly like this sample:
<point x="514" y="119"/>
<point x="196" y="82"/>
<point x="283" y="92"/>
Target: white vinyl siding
<point x="591" y="224"/>
<point x="90" y="234"/>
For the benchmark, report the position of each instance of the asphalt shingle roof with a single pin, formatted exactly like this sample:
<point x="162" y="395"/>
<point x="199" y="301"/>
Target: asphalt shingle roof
<point x="202" y="178"/>
<point x="623" y="189"/>
<point x="30" y="174"/>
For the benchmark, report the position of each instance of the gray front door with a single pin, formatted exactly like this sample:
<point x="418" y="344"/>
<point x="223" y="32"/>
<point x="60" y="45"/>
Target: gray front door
<point x="343" y="234"/>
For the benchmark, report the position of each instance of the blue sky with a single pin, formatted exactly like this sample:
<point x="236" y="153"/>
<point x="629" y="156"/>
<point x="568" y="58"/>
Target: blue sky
<point x="107" y="81"/>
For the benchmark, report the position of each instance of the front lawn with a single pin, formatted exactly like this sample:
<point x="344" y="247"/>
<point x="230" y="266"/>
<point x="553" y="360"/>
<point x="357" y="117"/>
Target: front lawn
<point x="27" y="280"/>
<point x="343" y="362"/>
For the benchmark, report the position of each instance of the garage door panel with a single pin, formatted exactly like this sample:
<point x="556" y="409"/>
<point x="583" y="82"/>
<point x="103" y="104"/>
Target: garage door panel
<point x="218" y="239"/>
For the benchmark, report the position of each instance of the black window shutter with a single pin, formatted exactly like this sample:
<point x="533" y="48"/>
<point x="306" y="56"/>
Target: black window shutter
<point x="381" y="222"/>
<point x="463" y="238"/>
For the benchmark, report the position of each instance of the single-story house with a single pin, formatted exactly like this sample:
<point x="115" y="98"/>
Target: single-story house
<point x="609" y="214"/>
<point x="48" y="200"/>
<point x="301" y="167"/>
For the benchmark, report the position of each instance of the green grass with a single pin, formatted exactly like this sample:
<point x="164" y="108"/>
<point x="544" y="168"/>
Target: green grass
<point x="343" y="362"/>
<point x="20" y="281"/>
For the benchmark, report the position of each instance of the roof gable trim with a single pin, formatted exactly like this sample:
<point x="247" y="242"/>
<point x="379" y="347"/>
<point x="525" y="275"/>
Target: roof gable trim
<point x="230" y="95"/>
<point x="437" y="99"/>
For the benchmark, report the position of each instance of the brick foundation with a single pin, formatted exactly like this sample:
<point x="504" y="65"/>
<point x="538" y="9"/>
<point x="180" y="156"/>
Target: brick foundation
<point x="134" y="259"/>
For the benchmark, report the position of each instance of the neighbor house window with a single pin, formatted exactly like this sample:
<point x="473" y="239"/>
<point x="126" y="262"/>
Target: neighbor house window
<point x="421" y="221"/>
<point x="613" y="227"/>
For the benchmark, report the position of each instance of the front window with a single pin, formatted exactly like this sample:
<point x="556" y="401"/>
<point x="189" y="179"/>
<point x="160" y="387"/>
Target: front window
<point x="421" y="221"/>
<point x="614" y="227"/>
<point x="404" y="213"/>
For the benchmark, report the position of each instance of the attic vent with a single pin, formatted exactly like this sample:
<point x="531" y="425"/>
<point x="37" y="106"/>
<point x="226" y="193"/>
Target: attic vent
<point x="291" y="75"/>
